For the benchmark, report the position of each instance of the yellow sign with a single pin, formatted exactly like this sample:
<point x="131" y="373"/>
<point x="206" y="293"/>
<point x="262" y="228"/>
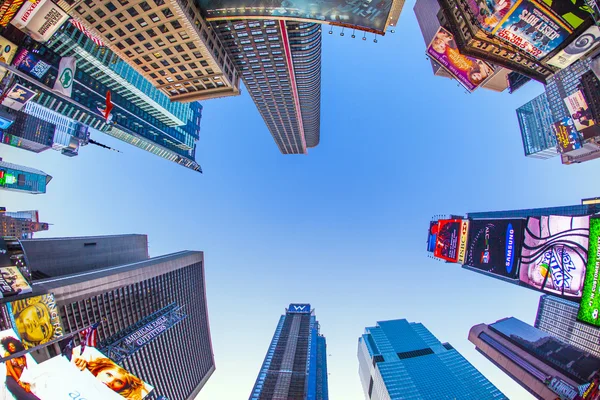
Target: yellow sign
<point x="464" y="233"/>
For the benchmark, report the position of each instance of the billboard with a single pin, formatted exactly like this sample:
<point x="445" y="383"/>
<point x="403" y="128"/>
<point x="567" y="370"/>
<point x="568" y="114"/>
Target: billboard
<point x="577" y="48"/>
<point x="494" y="246"/>
<point x="30" y="63"/>
<point x="530" y="27"/>
<point x="7" y="53"/>
<point x="366" y="15"/>
<point x="431" y="236"/>
<point x="15" y="372"/>
<point x="554" y="254"/>
<point x="12" y="282"/>
<point x="589" y="308"/>
<point x="582" y="115"/>
<point x="464" y="235"/>
<point x="40" y="19"/>
<point x="8" y="10"/>
<point x="36" y="319"/>
<point x="567" y="136"/>
<point x="448" y="234"/>
<point x="468" y="71"/>
<point x="18" y="96"/>
<point x="299" y="308"/>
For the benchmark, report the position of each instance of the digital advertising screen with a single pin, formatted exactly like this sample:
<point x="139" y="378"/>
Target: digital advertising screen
<point x="366" y="15"/>
<point x="589" y="308"/>
<point x="431" y="237"/>
<point x="12" y="282"/>
<point x="40" y="19"/>
<point x="554" y="254"/>
<point x="567" y="136"/>
<point x="530" y="27"/>
<point x="8" y="10"/>
<point x="448" y="236"/>
<point x="494" y="246"/>
<point x="464" y="236"/>
<point x="469" y="71"/>
<point x="30" y="63"/>
<point x="36" y="319"/>
<point x="15" y="372"/>
<point x="18" y="96"/>
<point x="585" y="42"/>
<point x="582" y="115"/>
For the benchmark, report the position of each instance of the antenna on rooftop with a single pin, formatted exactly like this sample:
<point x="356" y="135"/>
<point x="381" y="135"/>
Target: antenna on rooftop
<point x="102" y="145"/>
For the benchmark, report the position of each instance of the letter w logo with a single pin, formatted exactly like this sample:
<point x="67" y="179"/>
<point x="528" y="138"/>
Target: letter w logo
<point x="299" y="308"/>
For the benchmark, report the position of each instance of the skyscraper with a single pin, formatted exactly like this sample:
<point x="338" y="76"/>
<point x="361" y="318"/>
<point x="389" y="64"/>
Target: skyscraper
<point x="125" y="298"/>
<point x="542" y="364"/>
<point x="558" y="317"/>
<point x="535" y="121"/>
<point x="281" y="67"/>
<point x="28" y="133"/>
<point x="20" y="224"/>
<point x="403" y="360"/>
<point x="295" y="367"/>
<point x="22" y="179"/>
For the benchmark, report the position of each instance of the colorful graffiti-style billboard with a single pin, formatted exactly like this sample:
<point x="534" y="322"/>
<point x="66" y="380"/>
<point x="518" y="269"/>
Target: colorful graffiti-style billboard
<point x="468" y="71"/>
<point x="554" y="254"/>
<point x="589" y="308"/>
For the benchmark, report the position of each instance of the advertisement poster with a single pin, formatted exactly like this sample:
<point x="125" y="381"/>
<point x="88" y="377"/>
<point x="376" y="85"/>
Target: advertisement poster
<point x="12" y="282"/>
<point x="589" y="308"/>
<point x="110" y="374"/>
<point x="554" y="254"/>
<point x="489" y="13"/>
<point x="431" y="236"/>
<point x="8" y="10"/>
<point x="18" y="96"/>
<point x="368" y="15"/>
<point x="14" y="384"/>
<point x="567" y="136"/>
<point x="531" y="28"/>
<point x="7" y="53"/>
<point x="464" y="235"/>
<point x="587" y="41"/>
<point x="36" y="319"/>
<point x="495" y="245"/>
<point x="582" y="115"/>
<point x="446" y="245"/>
<point x="31" y="64"/>
<point x="40" y="19"/>
<point x="468" y="71"/>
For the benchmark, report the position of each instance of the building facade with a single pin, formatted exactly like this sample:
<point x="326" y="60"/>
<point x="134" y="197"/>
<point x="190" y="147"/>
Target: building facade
<point x="295" y="367"/>
<point x="29" y="133"/>
<point x="121" y="296"/>
<point x="168" y="42"/>
<point x="535" y="121"/>
<point x="21" y="224"/>
<point x="397" y="360"/>
<point x="19" y="178"/>
<point x="542" y="364"/>
<point x="280" y="64"/>
<point x="558" y="317"/>
<point x="572" y="210"/>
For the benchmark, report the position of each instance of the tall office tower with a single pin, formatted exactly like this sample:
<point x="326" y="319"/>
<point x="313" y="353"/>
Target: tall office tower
<point x="564" y="83"/>
<point x="52" y="257"/>
<point x="542" y="364"/>
<point x="22" y="179"/>
<point x="535" y="121"/>
<point x="398" y="360"/>
<point x="572" y="210"/>
<point x="129" y="299"/>
<point x="280" y="64"/>
<point x="166" y="41"/>
<point x="558" y="317"/>
<point x="295" y="367"/>
<point x="28" y="133"/>
<point x="21" y="224"/>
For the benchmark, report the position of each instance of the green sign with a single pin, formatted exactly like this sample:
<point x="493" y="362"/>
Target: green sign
<point x="66" y="78"/>
<point x="589" y="309"/>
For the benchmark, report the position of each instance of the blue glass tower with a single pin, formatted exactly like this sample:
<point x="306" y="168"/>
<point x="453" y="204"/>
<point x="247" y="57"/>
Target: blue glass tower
<point x="295" y="367"/>
<point x="22" y="179"/>
<point x="403" y="360"/>
<point x="535" y="121"/>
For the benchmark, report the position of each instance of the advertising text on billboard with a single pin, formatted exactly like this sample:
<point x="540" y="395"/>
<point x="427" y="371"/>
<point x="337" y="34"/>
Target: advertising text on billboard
<point x="468" y="71"/>
<point x="40" y="19"/>
<point x="36" y="319"/>
<point x="567" y="136"/>
<point x="30" y="63"/>
<point x="589" y="308"/>
<point x="582" y="115"/>
<point x="554" y="254"/>
<point x="462" y="247"/>
<point x="446" y="245"/>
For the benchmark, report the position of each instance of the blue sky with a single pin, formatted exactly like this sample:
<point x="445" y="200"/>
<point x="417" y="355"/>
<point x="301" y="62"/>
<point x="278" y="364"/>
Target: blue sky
<point x="344" y="227"/>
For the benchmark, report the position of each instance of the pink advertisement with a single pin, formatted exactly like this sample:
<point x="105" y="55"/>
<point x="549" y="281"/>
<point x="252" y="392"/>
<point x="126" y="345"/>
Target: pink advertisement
<point x="554" y="254"/>
<point x="470" y="72"/>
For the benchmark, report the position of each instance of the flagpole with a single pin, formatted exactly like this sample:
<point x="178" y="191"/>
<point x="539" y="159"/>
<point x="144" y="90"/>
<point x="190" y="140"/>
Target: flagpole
<point x="41" y="346"/>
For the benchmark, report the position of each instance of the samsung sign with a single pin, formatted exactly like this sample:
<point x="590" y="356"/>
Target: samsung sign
<point x="299" y="308"/>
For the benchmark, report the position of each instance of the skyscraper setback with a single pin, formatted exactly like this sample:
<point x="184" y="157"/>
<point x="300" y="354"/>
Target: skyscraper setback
<point x="295" y="367"/>
<point x="20" y="224"/>
<point x="404" y="360"/>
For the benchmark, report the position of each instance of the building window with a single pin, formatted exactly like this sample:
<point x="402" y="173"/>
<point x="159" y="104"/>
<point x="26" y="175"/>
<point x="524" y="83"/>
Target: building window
<point x="90" y="19"/>
<point x="184" y="35"/>
<point x="167" y="13"/>
<point x="154" y="17"/>
<point x="142" y="22"/>
<point x="151" y="33"/>
<point x="130" y="27"/>
<point x="129" y="41"/>
<point x="132" y="11"/>
<point x="140" y="37"/>
<point x="121" y="17"/>
<point x="176" y="24"/>
<point x="110" y="23"/>
<point x="171" y="38"/>
<point x="100" y="13"/>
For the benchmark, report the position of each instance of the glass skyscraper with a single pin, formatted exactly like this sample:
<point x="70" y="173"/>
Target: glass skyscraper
<point x="573" y="210"/>
<point x="558" y="317"/>
<point x="295" y="367"/>
<point x="403" y="360"/>
<point x="535" y="121"/>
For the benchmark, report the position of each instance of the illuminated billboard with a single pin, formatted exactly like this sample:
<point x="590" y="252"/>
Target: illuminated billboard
<point x="299" y="308"/>
<point x="29" y="62"/>
<point x="431" y="236"/>
<point x="577" y="48"/>
<point x="589" y="308"/>
<point x="464" y="235"/>
<point x="14" y="372"/>
<point x="468" y="71"/>
<point x="554" y="254"/>
<point x="12" y="282"/>
<point x="582" y="115"/>
<point x="366" y="15"/>
<point x="532" y="28"/>
<point x="36" y="319"/>
<point x="18" y="96"/>
<point x="494" y="246"/>
<point x="8" y="10"/>
<point x="567" y="136"/>
<point x="448" y="236"/>
<point x="40" y="19"/>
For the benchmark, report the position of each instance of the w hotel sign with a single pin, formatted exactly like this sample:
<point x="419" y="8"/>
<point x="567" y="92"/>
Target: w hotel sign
<point x="299" y="309"/>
